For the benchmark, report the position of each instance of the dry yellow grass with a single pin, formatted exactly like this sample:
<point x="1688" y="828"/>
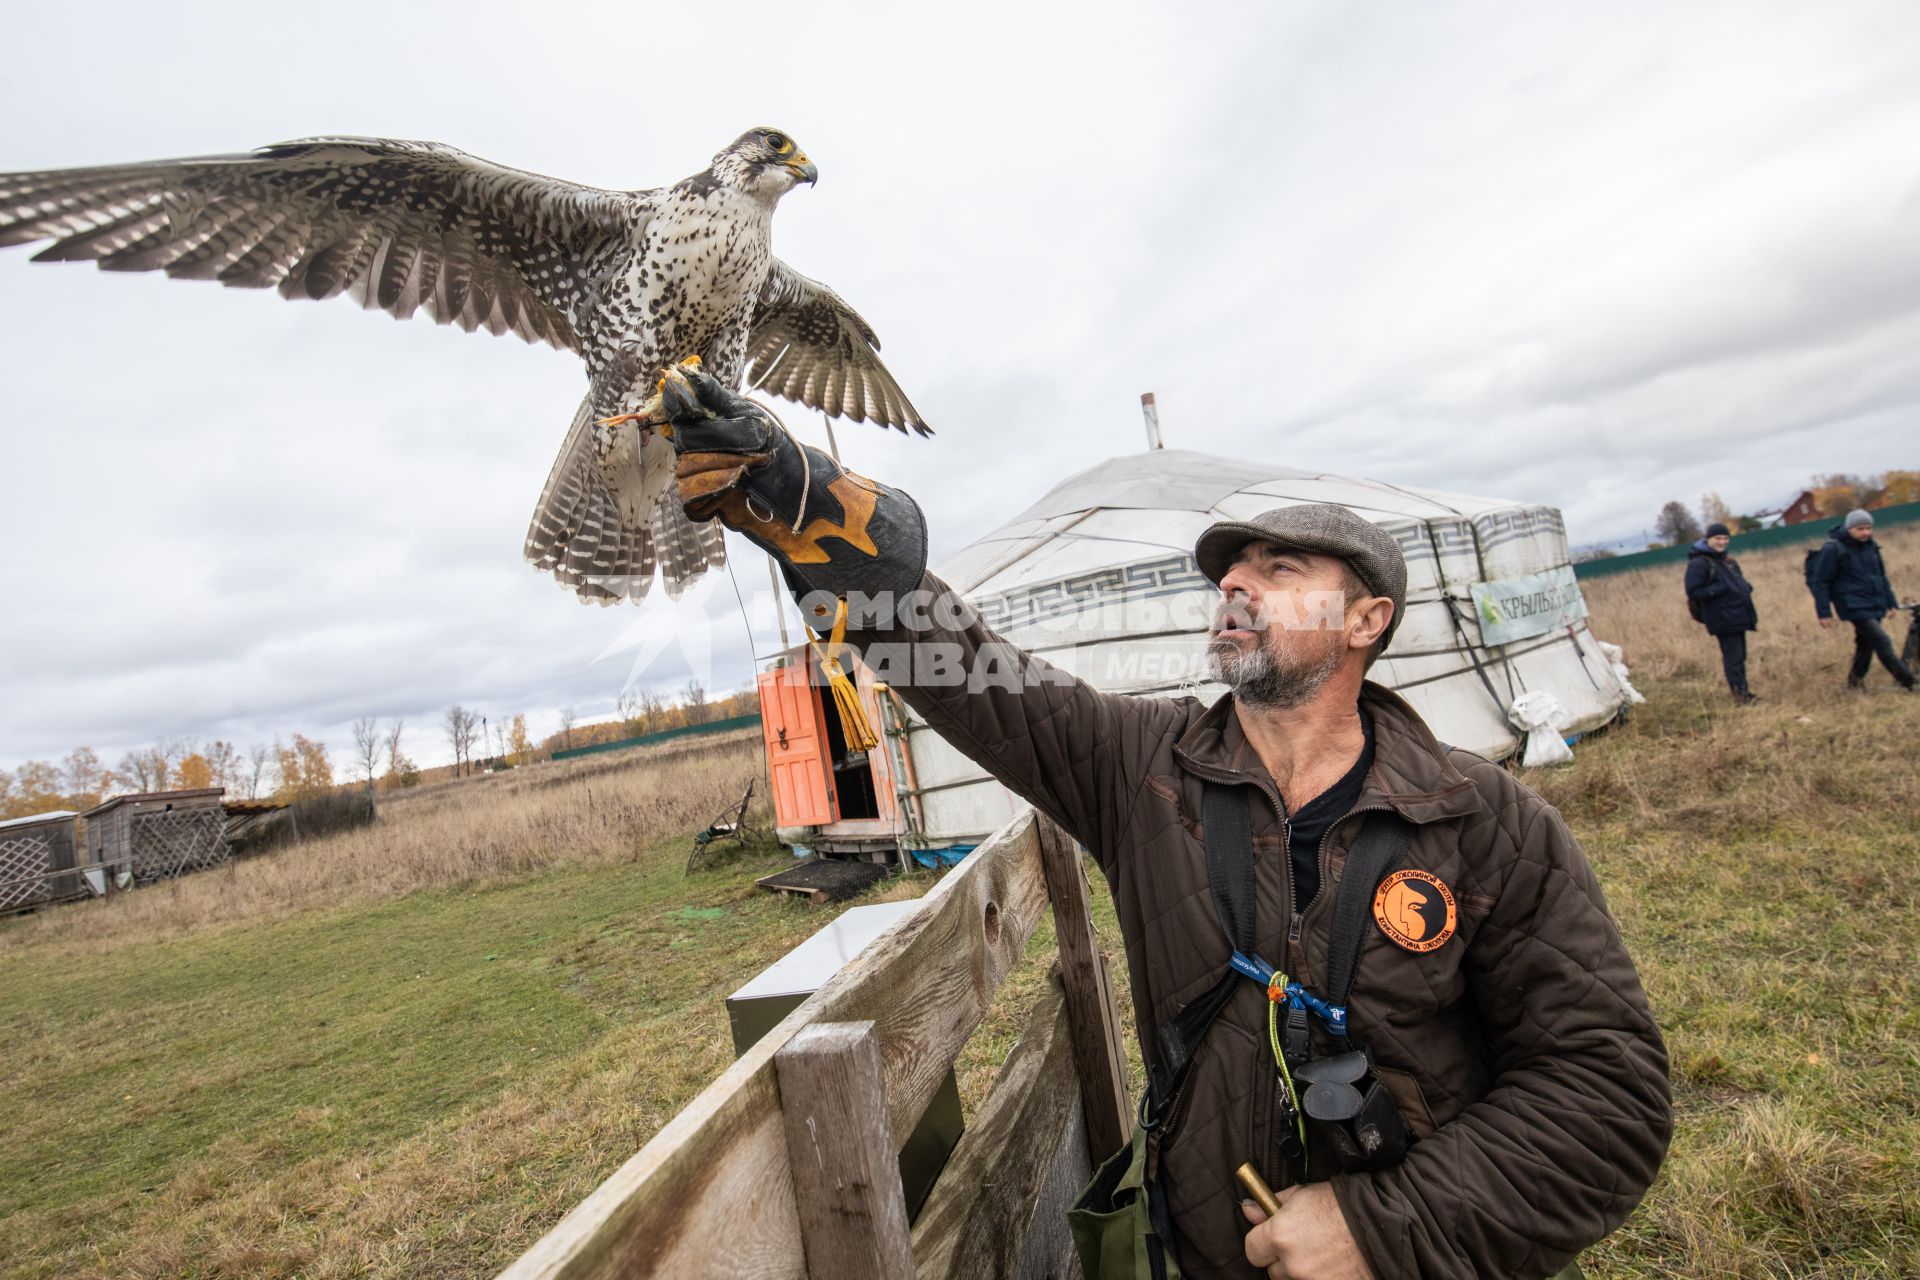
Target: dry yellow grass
<point x="1790" y="657"/>
<point x="579" y="812"/>
<point x="1761" y="861"/>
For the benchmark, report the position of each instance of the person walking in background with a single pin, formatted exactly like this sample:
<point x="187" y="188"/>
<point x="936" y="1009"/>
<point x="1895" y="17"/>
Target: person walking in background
<point x="1720" y="599"/>
<point x="1850" y="579"/>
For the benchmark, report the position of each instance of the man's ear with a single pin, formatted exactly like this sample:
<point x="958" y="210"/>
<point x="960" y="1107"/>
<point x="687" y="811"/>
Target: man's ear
<point x="1371" y="617"/>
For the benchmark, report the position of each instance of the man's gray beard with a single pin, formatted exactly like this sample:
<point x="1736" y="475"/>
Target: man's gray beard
<point x="1258" y="679"/>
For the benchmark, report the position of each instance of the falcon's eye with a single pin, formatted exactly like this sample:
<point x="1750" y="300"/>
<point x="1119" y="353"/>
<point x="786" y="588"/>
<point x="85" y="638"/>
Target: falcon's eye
<point x="778" y="142"/>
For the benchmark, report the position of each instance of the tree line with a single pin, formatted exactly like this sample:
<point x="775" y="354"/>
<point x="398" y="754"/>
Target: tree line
<point x="1833" y="496"/>
<point x="281" y="771"/>
<point x="639" y="712"/>
<point x="286" y="771"/>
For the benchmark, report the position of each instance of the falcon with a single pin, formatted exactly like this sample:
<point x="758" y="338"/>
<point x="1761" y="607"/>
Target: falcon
<point x="633" y="281"/>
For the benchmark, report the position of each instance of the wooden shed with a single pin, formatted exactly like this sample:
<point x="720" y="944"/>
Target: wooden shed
<point x="155" y="835"/>
<point x="32" y="851"/>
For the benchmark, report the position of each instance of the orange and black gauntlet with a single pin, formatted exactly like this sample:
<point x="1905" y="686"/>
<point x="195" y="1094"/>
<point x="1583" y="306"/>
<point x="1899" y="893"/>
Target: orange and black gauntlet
<point x="831" y="530"/>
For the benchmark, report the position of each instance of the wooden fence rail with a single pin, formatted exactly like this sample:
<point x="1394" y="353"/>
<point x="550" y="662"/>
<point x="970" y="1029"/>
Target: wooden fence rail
<point x="783" y="1166"/>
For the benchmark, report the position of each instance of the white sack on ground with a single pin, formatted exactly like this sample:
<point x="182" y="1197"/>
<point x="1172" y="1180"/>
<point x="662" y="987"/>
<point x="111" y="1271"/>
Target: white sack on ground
<point x="1618" y="657"/>
<point x="1542" y="717"/>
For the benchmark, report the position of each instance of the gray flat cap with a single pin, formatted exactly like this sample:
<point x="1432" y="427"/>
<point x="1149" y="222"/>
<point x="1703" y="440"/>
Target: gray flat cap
<point x="1315" y="526"/>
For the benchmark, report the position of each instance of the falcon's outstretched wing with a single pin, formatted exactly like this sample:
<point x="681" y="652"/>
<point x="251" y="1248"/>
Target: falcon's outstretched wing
<point x="808" y="345"/>
<point x="397" y="225"/>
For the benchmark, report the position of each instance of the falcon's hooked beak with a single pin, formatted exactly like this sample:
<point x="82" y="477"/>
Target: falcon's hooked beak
<point x="802" y="168"/>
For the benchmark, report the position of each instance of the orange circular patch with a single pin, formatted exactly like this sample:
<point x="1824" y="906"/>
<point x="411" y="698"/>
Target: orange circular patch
<point x="1415" y="909"/>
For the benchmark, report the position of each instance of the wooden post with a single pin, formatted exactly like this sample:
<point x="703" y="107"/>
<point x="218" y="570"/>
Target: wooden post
<point x="846" y="1177"/>
<point x="1098" y="1057"/>
<point x="1000" y="1207"/>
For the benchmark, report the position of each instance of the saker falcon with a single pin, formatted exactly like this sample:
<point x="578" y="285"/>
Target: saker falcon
<point x="633" y="281"/>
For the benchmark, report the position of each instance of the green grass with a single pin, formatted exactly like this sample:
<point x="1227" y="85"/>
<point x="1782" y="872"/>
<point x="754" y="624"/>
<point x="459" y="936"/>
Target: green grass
<point x="1763" y="865"/>
<point x="240" y="1056"/>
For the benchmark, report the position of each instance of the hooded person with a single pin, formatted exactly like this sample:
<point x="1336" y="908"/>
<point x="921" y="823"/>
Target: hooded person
<point x="1721" y="599"/>
<point x="1849" y="581"/>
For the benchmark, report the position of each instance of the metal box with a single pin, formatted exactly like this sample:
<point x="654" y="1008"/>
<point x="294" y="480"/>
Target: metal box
<point x="758" y="1007"/>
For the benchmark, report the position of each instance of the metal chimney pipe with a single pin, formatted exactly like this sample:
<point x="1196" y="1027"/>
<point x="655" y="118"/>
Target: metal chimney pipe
<point x="1151" y="411"/>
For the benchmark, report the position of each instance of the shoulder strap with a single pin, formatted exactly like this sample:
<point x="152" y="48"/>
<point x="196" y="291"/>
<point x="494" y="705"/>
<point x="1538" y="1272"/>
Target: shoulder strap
<point x="1229" y="842"/>
<point x="1384" y="837"/>
<point x="1229" y="832"/>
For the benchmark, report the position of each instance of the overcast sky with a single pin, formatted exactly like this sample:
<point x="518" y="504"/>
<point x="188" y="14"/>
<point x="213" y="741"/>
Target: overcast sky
<point x="1590" y="255"/>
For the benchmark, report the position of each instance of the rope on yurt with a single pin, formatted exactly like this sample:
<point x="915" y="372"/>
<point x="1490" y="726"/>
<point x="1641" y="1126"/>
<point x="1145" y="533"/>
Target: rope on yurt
<point x="1453" y="610"/>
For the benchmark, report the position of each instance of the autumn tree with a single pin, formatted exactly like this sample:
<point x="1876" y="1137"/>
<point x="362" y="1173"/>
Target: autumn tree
<point x="305" y="769"/>
<point x="258" y="756"/>
<point x="1839" y="493"/>
<point x="1675" y="525"/>
<point x="1898" y="487"/>
<point x="629" y="705"/>
<point x="1714" y="510"/>
<point x="86" y="778"/>
<point x="566" y="728"/>
<point x="193" y="772"/>
<point x="462" y="725"/>
<point x="367" y="742"/>
<point x="394" y="757"/>
<point x="35" y="789"/>
<point x="223" y="760"/>
<point x="519" y="743"/>
<point x="148" y="769"/>
<point x="695" y="695"/>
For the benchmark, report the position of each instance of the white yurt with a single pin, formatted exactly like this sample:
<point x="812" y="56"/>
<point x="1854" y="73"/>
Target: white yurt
<point x="1098" y="577"/>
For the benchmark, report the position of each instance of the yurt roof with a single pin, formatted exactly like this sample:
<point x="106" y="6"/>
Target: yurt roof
<point x="1145" y="505"/>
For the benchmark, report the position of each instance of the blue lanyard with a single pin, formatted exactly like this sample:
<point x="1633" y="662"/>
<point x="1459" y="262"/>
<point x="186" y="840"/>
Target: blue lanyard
<point x="1334" y="1016"/>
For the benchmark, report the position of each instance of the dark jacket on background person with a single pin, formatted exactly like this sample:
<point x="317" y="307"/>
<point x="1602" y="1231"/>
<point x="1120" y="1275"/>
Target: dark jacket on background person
<point x="1720" y="591"/>
<point x="1521" y="1051"/>
<point x="1849" y="579"/>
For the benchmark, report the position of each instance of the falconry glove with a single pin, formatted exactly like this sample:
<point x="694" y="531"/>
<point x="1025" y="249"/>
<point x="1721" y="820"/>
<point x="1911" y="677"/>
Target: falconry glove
<point x="831" y="530"/>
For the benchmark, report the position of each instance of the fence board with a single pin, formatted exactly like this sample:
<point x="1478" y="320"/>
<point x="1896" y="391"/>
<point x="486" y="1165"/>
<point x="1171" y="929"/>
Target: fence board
<point x="712" y="1194"/>
<point x="1099" y="1059"/>
<point x="853" y="1212"/>
<point x="1000" y="1207"/>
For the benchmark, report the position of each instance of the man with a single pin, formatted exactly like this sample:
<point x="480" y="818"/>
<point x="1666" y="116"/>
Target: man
<point x="1721" y="600"/>
<point x="1510" y="1029"/>
<point x="1850" y="579"/>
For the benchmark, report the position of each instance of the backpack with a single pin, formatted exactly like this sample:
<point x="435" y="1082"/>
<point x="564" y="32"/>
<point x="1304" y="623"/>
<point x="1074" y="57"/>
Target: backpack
<point x="1693" y="606"/>
<point x="1813" y="558"/>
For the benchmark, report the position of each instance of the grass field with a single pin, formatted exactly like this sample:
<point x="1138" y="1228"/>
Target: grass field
<point x="406" y="1051"/>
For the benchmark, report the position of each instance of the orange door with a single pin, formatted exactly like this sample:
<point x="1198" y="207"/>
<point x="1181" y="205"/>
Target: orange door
<point x="796" y="743"/>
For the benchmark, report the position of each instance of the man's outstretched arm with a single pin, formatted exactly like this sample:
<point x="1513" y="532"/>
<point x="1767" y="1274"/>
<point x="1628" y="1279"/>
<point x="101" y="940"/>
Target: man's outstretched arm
<point x="844" y="541"/>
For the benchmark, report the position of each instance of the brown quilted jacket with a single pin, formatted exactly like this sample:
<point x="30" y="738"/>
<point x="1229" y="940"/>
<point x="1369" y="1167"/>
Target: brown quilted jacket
<point x="1521" y="1050"/>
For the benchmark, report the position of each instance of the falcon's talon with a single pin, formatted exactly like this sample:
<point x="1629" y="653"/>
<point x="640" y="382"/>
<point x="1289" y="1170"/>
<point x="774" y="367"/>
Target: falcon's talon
<point x="646" y="418"/>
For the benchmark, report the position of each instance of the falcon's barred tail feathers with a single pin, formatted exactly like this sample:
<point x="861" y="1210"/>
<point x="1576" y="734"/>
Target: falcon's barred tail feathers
<point x="576" y="533"/>
<point x="685" y="549"/>
<point x="579" y="535"/>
